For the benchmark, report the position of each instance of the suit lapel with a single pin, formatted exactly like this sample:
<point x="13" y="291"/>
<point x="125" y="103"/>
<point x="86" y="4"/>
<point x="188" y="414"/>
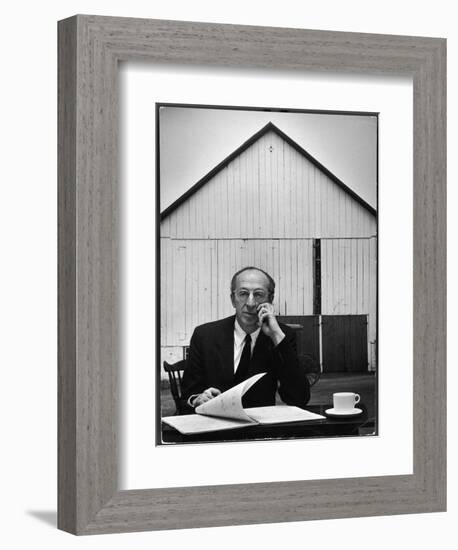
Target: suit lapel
<point x="226" y="345"/>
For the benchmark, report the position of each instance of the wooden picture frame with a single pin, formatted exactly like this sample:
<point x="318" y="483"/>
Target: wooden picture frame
<point x="90" y="48"/>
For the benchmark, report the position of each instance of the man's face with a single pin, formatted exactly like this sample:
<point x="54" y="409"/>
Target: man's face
<point x="251" y="290"/>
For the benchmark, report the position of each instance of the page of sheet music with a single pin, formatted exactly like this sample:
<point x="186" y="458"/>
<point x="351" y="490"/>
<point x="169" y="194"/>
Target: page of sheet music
<point x="277" y="414"/>
<point x="229" y="403"/>
<point x="198" y="423"/>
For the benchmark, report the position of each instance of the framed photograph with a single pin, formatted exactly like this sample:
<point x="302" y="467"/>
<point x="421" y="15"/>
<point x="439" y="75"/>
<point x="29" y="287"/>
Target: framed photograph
<point x="292" y="187"/>
<point x="266" y="202"/>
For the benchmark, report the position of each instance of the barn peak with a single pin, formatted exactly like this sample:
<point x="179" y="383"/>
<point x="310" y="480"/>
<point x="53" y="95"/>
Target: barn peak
<point x="269" y="127"/>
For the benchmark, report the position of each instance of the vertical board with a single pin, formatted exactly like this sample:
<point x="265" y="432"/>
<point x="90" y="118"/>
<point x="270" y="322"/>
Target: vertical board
<point x="164" y="290"/>
<point x="344" y="342"/>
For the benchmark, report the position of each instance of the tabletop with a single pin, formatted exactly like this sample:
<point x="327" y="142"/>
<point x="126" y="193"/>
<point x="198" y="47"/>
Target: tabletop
<point x="357" y="425"/>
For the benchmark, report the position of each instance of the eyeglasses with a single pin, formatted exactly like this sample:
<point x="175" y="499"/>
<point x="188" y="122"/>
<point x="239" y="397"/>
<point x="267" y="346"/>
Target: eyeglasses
<point x="259" y="296"/>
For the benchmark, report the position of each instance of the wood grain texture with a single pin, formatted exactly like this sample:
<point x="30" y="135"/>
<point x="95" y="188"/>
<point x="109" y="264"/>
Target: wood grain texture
<point x="67" y="436"/>
<point x="90" y="48"/>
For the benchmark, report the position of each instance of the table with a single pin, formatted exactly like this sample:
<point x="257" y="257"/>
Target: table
<point x="327" y="427"/>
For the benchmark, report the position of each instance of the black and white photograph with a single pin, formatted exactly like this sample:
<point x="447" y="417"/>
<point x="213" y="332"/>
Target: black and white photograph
<point x="225" y="263"/>
<point x="267" y="273"/>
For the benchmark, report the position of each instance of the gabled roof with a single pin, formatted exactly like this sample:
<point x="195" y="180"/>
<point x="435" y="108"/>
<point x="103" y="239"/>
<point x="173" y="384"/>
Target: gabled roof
<point x="267" y="128"/>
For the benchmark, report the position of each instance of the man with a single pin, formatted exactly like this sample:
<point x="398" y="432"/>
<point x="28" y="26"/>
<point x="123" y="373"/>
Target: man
<point x="226" y="352"/>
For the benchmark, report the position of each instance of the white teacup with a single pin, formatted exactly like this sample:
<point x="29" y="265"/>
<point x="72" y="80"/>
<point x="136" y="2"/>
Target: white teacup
<point x="345" y="401"/>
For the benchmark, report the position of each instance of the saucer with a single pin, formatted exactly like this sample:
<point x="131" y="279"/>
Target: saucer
<point x="350" y="412"/>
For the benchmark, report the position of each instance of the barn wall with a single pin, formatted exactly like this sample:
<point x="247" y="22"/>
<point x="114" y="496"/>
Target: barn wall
<point x="264" y="209"/>
<point x="195" y="278"/>
<point x="196" y="274"/>
<point x="349" y="282"/>
<point x="269" y="190"/>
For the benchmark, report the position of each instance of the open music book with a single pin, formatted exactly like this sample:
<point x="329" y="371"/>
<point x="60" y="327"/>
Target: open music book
<point x="226" y="412"/>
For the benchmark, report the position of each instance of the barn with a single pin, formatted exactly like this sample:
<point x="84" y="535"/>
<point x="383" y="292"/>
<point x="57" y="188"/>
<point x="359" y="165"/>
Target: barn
<point x="273" y="205"/>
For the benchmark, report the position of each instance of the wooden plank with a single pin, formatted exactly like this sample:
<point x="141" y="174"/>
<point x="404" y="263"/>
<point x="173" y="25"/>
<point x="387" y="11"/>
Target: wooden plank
<point x="164" y="290"/>
<point x="339" y="293"/>
<point x="358" y="344"/>
<point x="284" y="279"/>
<point x="198" y="282"/>
<point x="262" y="183"/>
<point x="193" y="227"/>
<point x="282" y="196"/>
<point x="307" y="199"/>
<point x="266" y="196"/>
<point x="272" y="219"/>
<point x="246" y="209"/>
<point x="299" y="189"/>
<point x="213" y="280"/>
<point x="180" y="277"/>
<point x="354" y="272"/>
<point x="238" y="222"/>
<point x="287" y="186"/>
<point x="300" y="273"/>
<point x="221" y="270"/>
<point x="294" y="302"/>
<point x="205" y="276"/>
<point x="326" y="205"/>
<point x="344" y="341"/>
<point x="326" y="275"/>
<point x="252" y="186"/>
<point x="165" y="270"/>
<point x="234" y="219"/>
<point x="358" y="273"/>
<point x="285" y="191"/>
<point x="215" y="213"/>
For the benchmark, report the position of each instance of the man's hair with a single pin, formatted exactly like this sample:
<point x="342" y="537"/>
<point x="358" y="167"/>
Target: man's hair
<point x="271" y="282"/>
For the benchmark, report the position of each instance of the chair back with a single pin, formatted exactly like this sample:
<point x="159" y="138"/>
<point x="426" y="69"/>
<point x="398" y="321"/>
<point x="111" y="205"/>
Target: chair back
<point x="175" y="374"/>
<point x="311" y="365"/>
<point x="312" y="368"/>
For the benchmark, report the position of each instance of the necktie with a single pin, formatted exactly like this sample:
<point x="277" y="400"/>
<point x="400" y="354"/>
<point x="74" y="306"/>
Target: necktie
<point x="241" y="373"/>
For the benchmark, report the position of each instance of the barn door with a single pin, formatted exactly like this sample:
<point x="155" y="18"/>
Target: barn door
<point x="344" y="340"/>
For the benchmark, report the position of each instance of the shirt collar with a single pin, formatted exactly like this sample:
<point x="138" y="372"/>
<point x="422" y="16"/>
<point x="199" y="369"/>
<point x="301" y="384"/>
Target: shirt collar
<point x="239" y="334"/>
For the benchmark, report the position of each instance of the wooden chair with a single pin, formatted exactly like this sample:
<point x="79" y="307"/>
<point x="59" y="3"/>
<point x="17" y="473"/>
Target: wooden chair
<point x="312" y="366"/>
<point x="175" y="374"/>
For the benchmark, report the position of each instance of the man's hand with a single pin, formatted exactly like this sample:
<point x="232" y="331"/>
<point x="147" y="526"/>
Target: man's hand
<point x="205" y="396"/>
<point x="269" y="324"/>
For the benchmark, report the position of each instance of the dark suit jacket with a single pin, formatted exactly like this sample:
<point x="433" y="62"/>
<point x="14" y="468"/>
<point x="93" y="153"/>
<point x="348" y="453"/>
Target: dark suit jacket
<point x="211" y="364"/>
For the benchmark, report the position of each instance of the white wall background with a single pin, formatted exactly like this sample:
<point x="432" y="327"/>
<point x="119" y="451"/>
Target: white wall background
<point x="28" y="271"/>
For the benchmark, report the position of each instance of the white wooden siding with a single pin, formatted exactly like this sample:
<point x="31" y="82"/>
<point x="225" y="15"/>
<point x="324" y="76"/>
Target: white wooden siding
<point x="349" y="281"/>
<point x="264" y="209"/>
<point x="269" y="190"/>
<point x="196" y="275"/>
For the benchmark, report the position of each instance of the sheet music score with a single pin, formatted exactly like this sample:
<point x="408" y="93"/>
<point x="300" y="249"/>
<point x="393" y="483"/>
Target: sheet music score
<point x="226" y="412"/>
